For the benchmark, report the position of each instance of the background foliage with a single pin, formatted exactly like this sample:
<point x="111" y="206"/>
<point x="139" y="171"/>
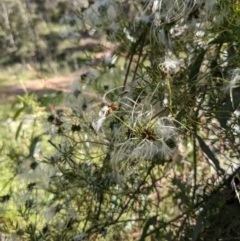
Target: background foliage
<point x="145" y="143"/>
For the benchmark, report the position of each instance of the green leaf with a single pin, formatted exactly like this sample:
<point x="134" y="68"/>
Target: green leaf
<point x="224" y="37"/>
<point x="197" y="227"/>
<point x="227" y="109"/>
<point x="150" y="221"/>
<point x="18" y="130"/>
<point x="18" y="112"/>
<point x="34" y="146"/>
<point x="209" y="153"/>
<point x="195" y="67"/>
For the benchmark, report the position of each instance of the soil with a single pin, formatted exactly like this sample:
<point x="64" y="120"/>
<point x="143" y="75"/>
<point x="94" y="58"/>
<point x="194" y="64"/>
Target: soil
<point x="58" y="83"/>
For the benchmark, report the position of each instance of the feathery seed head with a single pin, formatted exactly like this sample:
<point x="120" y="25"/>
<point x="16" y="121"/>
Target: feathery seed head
<point x="235" y="79"/>
<point x="103" y="113"/>
<point x="170" y="66"/>
<point x="148" y="139"/>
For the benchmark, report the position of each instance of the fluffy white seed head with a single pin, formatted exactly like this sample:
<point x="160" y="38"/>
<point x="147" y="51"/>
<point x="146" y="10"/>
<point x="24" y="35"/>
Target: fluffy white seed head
<point x="170" y="65"/>
<point x="151" y="139"/>
<point x="235" y="79"/>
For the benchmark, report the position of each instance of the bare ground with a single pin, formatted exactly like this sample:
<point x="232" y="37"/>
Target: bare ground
<point x="58" y="83"/>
